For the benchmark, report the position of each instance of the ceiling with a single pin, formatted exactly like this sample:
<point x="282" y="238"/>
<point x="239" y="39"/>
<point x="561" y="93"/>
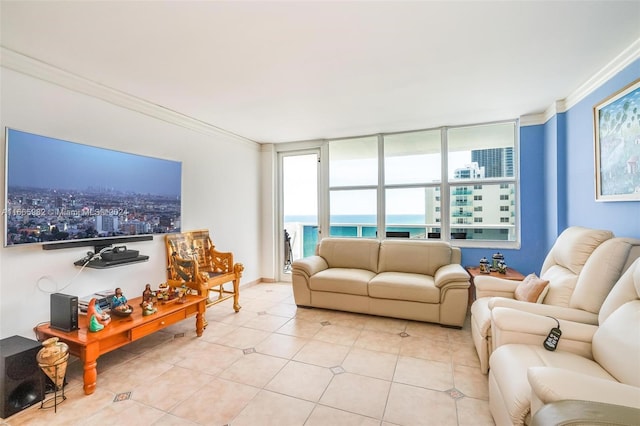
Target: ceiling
<point x="302" y="70"/>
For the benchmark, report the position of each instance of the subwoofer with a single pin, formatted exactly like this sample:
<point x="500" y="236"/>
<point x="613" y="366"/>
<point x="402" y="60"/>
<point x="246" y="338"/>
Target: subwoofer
<point x="22" y="381"/>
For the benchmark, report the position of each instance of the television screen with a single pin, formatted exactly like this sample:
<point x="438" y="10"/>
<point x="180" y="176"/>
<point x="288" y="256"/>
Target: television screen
<point x="60" y="191"/>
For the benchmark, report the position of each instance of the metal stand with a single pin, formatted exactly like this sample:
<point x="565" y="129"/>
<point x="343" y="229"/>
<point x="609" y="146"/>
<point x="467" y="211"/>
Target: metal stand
<point x="46" y="404"/>
<point x="287" y="251"/>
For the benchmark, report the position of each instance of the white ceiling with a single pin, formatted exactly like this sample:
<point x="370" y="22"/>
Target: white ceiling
<point x="301" y="70"/>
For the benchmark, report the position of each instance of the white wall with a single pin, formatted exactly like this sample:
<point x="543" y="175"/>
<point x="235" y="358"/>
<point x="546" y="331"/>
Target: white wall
<point x="220" y="189"/>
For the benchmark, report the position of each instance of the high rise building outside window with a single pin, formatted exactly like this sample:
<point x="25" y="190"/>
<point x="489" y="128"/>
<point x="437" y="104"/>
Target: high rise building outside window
<point x="448" y="183"/>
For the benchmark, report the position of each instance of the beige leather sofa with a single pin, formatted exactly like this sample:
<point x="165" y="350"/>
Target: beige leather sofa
<point x="525" y="377"/>
<point x="581" y="268"/>
<point x="417" y="280"/>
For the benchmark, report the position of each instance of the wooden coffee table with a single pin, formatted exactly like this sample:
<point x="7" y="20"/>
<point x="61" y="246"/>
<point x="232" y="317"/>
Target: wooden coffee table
<point x="474" y="271"/>
<point x="88" y="346"/>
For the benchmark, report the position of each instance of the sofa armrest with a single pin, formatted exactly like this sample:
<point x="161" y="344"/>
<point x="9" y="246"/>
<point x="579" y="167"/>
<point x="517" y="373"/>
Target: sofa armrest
<point x="452" y="273"/>
<point x="515" y="326"/>
<point x="488" y="286"/>
<point x="551" y="384"/>
<point x="309" y="265"/>
<point x="559" y="312"/>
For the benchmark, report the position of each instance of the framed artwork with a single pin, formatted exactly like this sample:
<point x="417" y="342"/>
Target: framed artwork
<point x="617" y="145"/>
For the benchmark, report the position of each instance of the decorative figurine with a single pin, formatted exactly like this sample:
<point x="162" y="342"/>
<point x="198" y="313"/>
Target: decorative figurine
<point x="97" y="317"/>
<point x="119" y="300"/>
<point x="147" y="295"/>
<point x="94" y="325"/>
<point x="484" y="266"/>
<point x="148" y="309"/>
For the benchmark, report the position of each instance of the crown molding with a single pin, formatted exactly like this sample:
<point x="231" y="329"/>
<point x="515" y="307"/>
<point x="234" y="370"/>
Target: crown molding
<point x="15" y="61"/>
<point x="625" y="58"/>
<point x="621" y="61"/>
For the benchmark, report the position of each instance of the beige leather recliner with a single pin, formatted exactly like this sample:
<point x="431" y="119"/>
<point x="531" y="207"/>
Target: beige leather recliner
<point x="562" y="267"/>
<point x="525" y="377"/>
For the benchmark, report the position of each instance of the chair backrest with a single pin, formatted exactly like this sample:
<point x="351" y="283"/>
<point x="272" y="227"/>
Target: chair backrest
<point x="616" y="343"/>
<point x="194" y="245"/>
<point x="601" y="271"/>
<point x="566" y="259"/>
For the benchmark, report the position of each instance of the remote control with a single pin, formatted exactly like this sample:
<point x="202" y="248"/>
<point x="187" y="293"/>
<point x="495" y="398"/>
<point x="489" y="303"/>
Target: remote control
<point x="551" y="342"/>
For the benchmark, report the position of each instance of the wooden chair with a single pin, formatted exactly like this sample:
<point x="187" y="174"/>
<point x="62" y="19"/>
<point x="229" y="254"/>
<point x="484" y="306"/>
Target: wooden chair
<point x="193" y="261"/>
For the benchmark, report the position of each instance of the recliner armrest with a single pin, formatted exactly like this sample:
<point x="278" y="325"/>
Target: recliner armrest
<point x="559" y="312"/>
<point x="580" y="413"/>
<point x="488" y="286"/>
<point x="309" y="265"/>
<point x="515" y="326"/>
<point x="551" y="384"/>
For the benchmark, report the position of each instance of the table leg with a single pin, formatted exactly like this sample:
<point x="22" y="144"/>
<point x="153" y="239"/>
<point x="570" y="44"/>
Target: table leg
<point x="200" y="322"/>
<point x="90" y="376"/>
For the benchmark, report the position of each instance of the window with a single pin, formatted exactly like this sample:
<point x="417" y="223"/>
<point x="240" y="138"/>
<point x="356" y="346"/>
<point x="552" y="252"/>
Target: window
<point x="400" y="176"/>
<point x="412" y="175"/>
<point x="485" y="153"/>
<point x="353" y="181"/>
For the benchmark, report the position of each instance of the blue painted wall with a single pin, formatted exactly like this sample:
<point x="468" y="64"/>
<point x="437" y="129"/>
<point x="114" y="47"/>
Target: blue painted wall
<point x="557" y="182"/>
<point x="623" y="218"/>
<point x="533" y="208"/>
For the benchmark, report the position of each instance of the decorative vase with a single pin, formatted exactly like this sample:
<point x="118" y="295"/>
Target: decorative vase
<point x="52" y="359"/>
<point x="484" y="266"/>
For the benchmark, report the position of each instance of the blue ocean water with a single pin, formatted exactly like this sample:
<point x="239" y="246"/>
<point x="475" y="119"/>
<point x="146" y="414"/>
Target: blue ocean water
<point x="347" y="226"/>
<point x="365" y="219"/>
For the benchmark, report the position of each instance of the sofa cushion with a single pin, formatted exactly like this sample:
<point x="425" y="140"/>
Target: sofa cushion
<point x="355" y="253"/>
<point x="616" y="343"/>
<point x="573" y="247"/>
<point x="404" y="286"/>
<point x="601" y="271"/>
<point x="342" y="280"/>
<point x="418" y="257"/>
<point x="561" y="284"/>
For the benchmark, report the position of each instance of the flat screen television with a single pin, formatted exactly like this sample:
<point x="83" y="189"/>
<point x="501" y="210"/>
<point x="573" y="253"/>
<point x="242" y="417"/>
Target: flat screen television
<point x="61" y="194"/>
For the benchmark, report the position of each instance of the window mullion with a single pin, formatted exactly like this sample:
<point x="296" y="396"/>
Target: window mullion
<point x="381" y="223"/>
<point x="445" y="190"/>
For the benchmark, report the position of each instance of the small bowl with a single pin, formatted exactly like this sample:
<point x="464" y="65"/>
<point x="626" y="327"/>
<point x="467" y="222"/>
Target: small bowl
<point x="117" y="312"/>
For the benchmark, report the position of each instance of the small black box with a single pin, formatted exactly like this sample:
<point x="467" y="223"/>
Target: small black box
<point x="119" y="254"/>
<point x="64" y="312"/>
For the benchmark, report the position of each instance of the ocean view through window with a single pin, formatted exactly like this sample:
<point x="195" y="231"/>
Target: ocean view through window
<point x="456" y="184"/>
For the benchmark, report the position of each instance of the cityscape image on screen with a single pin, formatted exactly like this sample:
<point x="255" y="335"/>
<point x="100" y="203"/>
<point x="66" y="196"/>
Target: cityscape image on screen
<point x="58" y="190"/>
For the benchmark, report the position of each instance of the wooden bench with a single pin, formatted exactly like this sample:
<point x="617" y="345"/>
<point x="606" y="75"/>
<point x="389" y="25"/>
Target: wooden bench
<point x="193" y="261"/>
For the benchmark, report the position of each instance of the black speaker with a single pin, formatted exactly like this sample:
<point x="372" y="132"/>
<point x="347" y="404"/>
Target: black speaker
<point x="64" y="312"/>
<point x="22" y="383"/>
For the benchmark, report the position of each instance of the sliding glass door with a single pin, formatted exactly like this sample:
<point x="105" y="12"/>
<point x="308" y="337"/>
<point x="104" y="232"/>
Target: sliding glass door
<point x="299" y="208"/>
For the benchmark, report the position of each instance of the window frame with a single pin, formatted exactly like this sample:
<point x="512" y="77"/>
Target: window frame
<point x="444" y="186"/>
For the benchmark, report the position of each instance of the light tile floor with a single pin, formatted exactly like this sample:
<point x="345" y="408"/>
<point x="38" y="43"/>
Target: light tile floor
<point x="275" y="364"/>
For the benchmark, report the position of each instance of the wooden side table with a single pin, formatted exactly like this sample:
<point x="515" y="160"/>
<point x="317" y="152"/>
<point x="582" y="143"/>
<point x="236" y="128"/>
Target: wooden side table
<point x="474" y="271"/>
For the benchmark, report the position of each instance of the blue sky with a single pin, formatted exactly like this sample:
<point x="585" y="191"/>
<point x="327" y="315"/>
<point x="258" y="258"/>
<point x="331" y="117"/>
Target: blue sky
<point x="44" y="162"/>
